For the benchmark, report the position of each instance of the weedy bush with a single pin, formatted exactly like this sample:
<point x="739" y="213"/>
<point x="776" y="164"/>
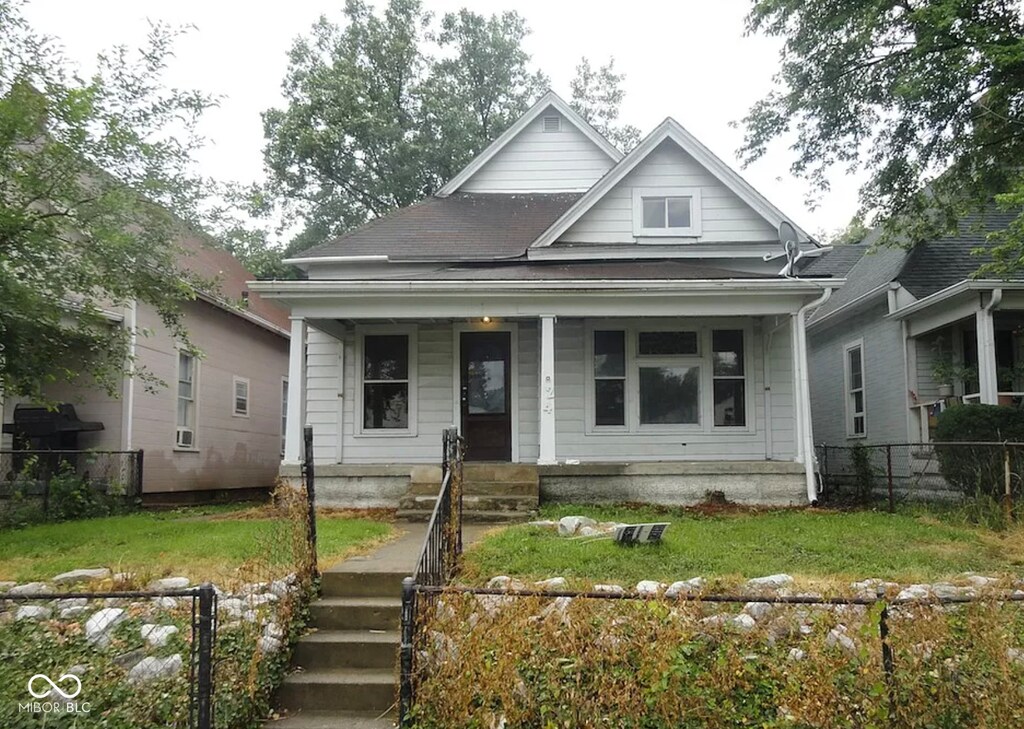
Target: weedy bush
<point x="979" y="470"/>
<point x="488" y="661"/>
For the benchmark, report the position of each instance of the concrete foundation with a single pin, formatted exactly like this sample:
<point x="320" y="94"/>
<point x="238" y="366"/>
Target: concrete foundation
<point x="670" y="483"/>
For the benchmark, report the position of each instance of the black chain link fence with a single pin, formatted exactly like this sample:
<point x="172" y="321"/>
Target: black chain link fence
<point x="38" y="486"/>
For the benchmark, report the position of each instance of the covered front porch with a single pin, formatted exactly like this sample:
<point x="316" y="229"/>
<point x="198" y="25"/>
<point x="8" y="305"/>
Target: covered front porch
<point x="661" y="392"/>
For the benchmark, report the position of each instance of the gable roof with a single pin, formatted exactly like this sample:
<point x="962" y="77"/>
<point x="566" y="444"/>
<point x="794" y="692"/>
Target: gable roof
<point x="870" y="276"/>
<point x="549" y="100"/>
<point x="463" y="226"/>
<point x="835" y="263"/>
<point x="672" y="130"/>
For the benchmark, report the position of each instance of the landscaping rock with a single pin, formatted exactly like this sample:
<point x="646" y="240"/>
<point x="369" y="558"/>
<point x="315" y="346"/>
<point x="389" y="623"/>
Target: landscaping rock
<point x="872" y="586"/>
<point x="255" y="588"/>
<point x="165" y="602"/>
<point x="796" y="654"/>
<point x="78" y="669"/>
<point x="915" y="592"/>
<point x="553" y="583"/>
<point x="5" y="586"/>
<point x="68" y="602"/>
<point x="152" y="668"/>
<point x="685" y="587"/>
<point x="260" y="599"/>
<point x="770" y="582"/>
<point x="743" y="621"/>
<point x="1016" y="655"/>
<point x="170" y="583"/>
<point x="32" y="612"/>
<point x="544" y="524"/>
<point x="74" y="611"/>
<point x="945" y="590"/>
<point x="273" y="630"/>
<point x="758" y="610"/>
<point x="557" y="607"/>
<point x="157" y="635"/>
<point x="614" y="589"/>
<point x="492" y="603"/>
<point x="589" y="531"/>
<point x="269" y="645"/>
<point x="30" y="588"/>
<point x="83" y="575"/>
<point x="280" y="588"/>
<point x="649" y="588"/>
<point x="129" y="658"/>
<point x="838" y="637"/>
<point x="980" y="580"/>
<point x="233" y="607"/>
<point x="101" y="623"/>
<point x="569" y="525"/>
<point x="123" y="576"/>
<point x="504" y="582"/>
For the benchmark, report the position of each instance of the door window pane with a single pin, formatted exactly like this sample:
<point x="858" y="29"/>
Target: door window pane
<point x="610" y="402"/>
<point x="485" y="380"/>
<point x="386" y="405"/>
<point x="679" y="212"/>
<point x="609" y="354"/>
<point x="669" y="395"/>
<point x="667" y="343"/>
<point x="730" y="408"/>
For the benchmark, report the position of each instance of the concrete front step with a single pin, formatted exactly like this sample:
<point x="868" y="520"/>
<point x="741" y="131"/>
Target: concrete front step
<point x="333" y="720"/>
<point x="471" y="517"/>
<point x="356" y="613"/>
<point x="329" y="649"/>
<point x="475" y="503"/>
<point x="479" y="488"/>
<point x="369" y="583"/>
<point x="344" y="689"/>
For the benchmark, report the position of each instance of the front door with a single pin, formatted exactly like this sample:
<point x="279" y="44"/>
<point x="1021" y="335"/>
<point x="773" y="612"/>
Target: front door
<point x="486" y="395"/>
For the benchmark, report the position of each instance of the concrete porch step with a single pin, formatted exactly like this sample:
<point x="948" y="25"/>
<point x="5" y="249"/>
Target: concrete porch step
<point x="480" y="488"/>
<point x="471" y="517"/>
<point x="333" y="720"/>
<point x="330" y="649"/>
<point x="348" y="689"/>
<point x="369" y="583"/>
<point x="356" y="613"/>
<point x="474" y="502"/>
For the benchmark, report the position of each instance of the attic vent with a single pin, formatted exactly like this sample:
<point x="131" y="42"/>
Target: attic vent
<point x="552" y="124"/>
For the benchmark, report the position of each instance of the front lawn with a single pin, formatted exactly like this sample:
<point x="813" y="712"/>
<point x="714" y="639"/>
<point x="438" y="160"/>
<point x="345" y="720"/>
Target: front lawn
<point x="201" y="543"/>
<point x="815" y="546"/>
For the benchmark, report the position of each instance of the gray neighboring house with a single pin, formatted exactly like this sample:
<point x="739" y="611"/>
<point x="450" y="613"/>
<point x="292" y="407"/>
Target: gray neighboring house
<point x="911" y="332"/>
<point x="612" y="327"/>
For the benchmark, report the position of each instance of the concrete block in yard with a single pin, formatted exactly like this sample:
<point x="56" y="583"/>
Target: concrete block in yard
<point x="152" y="668"/>
<point x="100" y="624"/>
<point x="83" y="575"/>
<point x="170" y="583"/>
<point x="157" y="635"/>
<point x="30" y="588"/>
<point x="770" y="582"/>
<point x="32" y="612"/>
<point x="570" y="525"/>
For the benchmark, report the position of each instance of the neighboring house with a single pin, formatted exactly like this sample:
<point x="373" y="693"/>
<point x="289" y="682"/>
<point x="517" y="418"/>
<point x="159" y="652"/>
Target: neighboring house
<point x="218" y="423"/>
<point x="610" y="319"/>
<point x="911" y="331"/>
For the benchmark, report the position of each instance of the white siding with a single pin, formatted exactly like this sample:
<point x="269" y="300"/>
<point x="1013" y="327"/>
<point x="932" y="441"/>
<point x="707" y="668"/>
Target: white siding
<point x="725" y="216"/>
<point x="539" y="161"/>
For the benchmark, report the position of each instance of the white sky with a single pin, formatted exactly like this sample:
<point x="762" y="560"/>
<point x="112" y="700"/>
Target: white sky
<point x="687" y="59"/>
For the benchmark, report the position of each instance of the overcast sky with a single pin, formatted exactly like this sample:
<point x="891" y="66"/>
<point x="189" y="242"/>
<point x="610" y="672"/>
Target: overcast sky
<point x="687" y="59"/>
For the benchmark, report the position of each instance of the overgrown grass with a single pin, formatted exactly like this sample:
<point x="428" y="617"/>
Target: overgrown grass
<point x="201" y="543"/>
<point x="813" y="545"/>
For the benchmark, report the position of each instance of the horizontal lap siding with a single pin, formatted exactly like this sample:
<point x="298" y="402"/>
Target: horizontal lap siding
<point x="725" y="217"/>
<point x="539" y="161"/>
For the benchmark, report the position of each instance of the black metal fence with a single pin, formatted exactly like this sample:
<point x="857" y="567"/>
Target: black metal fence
<point x="438" y="560"/>
<point x="923" y="472"/>
<point x="74" y="652"/>
<point x="58" y="485"/>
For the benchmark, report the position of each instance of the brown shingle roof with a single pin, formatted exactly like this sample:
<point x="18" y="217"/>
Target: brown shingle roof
<point x="587" y="270"/>
<point x="464" y="226"/>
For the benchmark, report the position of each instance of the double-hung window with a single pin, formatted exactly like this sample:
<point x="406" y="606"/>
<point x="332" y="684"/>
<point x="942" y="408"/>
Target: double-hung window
<point x="729" y="378"/>
<point x="668" y="369"/>
<point x="185" y="431"/>
<point x="609" y="377"/>
<point x="386" y="382"/>
<point x="856" y="416"/>
<point x="240" y="407"/>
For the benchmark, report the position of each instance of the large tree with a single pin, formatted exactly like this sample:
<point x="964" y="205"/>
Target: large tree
<point x="926" y="96"/>
<point x="597" y="95"/>
<point x="94" y="188"/>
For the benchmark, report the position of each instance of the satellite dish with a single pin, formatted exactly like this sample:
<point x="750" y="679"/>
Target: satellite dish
<point x="790" y="244"/>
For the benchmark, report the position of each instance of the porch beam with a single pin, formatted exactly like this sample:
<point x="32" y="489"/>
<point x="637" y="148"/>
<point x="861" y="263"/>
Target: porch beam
<point x="296" y="392"/>
<point x="547" y="391"/>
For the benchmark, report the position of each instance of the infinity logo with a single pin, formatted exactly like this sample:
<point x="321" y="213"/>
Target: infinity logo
<point x="54" y="687"/>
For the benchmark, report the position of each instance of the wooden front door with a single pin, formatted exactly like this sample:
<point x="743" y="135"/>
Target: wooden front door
<point x="486" y="395"/>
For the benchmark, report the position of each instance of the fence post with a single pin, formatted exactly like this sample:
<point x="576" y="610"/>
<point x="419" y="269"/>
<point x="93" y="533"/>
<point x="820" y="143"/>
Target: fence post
<point x="309" y="471"/>
<point x="405" y="688"/>
<point x="204" y="658"/>
<point x="888" y="473"/>
<point x="887" y="659"/>
<point x="138" y="474"/>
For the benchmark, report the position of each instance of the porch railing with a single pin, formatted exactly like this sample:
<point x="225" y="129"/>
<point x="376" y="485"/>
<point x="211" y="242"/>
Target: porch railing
<point x="437" y="562"/>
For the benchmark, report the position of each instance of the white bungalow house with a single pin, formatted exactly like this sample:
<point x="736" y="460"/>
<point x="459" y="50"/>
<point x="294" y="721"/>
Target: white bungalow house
<point x="617" y="327"/>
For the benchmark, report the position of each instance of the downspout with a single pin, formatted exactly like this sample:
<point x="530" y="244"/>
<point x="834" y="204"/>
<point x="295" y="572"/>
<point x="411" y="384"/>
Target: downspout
<point x="988" y="372"/>
<point x="805" y="396"/>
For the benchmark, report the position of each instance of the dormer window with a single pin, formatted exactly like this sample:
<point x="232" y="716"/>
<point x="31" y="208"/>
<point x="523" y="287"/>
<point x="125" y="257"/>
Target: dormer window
<point x="552" y="124"/>
<point x="666" y="212"/>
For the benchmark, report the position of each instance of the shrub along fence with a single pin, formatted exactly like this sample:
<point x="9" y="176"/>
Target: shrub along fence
<point x="926" y="472"/>
<point x="57" y="485"/>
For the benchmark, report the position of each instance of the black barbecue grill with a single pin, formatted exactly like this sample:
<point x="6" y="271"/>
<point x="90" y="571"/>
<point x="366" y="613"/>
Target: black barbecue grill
<point x="36" y="428"/>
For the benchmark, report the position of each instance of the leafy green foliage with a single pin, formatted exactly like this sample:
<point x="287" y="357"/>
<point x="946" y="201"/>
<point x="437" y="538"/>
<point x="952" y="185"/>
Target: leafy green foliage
<point x="927" y="97"/>
<point x="979" y="471"/>
<point x="597" y="95"/>
<point x="95" y="189"/>
<point x="863" y="474"/>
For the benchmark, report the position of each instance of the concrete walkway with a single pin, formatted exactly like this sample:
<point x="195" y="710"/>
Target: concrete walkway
<point x="400" y="555"/>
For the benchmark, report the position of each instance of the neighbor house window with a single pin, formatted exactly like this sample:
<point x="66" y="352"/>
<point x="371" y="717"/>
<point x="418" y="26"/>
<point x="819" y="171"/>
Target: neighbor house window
<point x="666" y="212"/>
<point x="386" y="382"/>
<point x="729" y="379"/>
<point x="856" y="419"/>
<point x="240" y="407"/>
<point x="284" y="411"/>
<point x="669" y="377"/>
<point x="186" y="422"/>
<point x="609" y="378"/>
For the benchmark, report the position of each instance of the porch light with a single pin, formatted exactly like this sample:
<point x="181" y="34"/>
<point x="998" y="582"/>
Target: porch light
<point x="486" y="320"/>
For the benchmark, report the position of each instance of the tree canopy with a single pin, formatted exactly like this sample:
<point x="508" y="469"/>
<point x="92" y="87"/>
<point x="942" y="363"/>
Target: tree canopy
<point x="94" y="189"/>
<point x="927" y="96"/>
<point x="384" y="107"/>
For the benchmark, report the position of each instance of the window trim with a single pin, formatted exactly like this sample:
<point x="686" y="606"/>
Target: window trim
<point x="848" y="390"/>
<point x="358" y="365"/>
<point x="695" y="229"/>
<point x="705" y="425"/>
<point x="235" y="380"/>
<point x="194" y="448"/>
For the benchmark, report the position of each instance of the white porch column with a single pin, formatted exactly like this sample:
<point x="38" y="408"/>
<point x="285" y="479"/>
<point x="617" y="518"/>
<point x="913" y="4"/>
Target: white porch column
<point x="988" y="381"/>
<point x="547" y="390"/>
<point x="798" y="410"/>
<point x="296" y="392"/>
